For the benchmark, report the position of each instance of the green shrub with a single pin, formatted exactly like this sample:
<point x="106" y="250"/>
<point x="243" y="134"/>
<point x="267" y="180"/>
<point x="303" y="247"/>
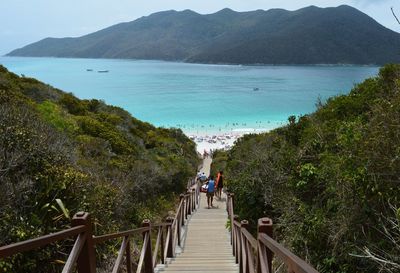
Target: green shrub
<point x="53" y="114"/>
<point x="60" y="155"/>
<point x="329" y="178"/>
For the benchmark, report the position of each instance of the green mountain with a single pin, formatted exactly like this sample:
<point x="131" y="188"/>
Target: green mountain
<point x="311" y="35"/>
<point x="60" y="155"/>
<point x="329" y="180"/>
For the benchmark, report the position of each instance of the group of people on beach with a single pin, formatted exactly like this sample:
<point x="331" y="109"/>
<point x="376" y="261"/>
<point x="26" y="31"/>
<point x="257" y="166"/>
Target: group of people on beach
<point x="212" y="186"/>
<point x="207" y="154"/>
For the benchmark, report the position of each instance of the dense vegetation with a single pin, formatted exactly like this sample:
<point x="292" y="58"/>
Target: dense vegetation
<point x="60" y="155"/>
<point x="329" y="180"/>
<point x="307" y="36"/>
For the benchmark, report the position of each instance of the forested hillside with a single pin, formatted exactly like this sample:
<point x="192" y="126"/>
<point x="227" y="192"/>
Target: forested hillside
<point x="329" y="180"/>
<point x="60" y="155"/>
<point x="312" y="35"/>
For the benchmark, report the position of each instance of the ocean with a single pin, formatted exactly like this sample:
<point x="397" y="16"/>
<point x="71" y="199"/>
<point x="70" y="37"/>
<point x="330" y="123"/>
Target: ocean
<point x="197" y="97"/>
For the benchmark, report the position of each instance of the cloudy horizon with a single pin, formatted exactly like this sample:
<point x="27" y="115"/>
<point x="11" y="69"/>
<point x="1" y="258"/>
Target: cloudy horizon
<point x="24" y="23"/>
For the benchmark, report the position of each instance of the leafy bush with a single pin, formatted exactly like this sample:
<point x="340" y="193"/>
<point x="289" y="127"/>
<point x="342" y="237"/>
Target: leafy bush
<point x="60" y="155"/>
<point x="53" y="114"/>
<point x="328" y="178"/>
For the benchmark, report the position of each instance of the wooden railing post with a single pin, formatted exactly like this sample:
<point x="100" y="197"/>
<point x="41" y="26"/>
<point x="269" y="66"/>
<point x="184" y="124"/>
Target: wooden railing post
<point x="198" y="193"/>
<point x="193" y="199"/>
<point x="186" y="206"/>
<point x="188" y="184"/>
<point x="86" y="262"/>
<point x="128" y="256"/>
<point x="162" y="244"/>
<point x="265" y="226"/>
<point x="229" y="208"/>
<point x="182" y="212"/>
<point x="228" y="198"/>
<point x="148" y="256"/>
<point x="189" y="202"/>
<point x="243" y="259"/>
<point x="170" y="246"/>
<point x="233" y="201"/>
<point x="178" y="226"/>
<point x="236" y="239"/>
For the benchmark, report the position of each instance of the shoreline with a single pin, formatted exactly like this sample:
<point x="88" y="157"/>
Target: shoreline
<point x="221" y="140"/>
<point x="213" y="137"/>
<point x="6" y="55"/>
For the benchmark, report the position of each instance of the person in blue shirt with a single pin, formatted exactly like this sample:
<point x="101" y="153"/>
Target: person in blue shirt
<point x="210" y="191"/>
<point x="203" y="177"/>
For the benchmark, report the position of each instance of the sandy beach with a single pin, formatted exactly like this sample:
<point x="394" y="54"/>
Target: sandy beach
<point x="211" y="141"/>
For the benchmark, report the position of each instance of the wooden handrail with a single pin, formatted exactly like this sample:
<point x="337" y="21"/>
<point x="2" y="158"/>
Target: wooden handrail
<point x="83" y="251"/>
<point x="236" y="223"/>
<point x="254" y="255"/>
<point x="106" y="237"/>
<point x="9" y="250"/>
<point x="178" y="213"/>
<point x="295" y="263"/>
<point x="249" y="238"/>
<point x="160" y="225"/>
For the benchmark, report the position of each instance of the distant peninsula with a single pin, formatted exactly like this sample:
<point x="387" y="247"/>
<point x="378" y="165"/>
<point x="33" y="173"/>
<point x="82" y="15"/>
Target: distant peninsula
<point x="312" y="35"/>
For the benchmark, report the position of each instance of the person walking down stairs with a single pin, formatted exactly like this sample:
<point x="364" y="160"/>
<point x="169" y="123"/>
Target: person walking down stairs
<point x="210" y="191"/>
<point x="219" y="184"/>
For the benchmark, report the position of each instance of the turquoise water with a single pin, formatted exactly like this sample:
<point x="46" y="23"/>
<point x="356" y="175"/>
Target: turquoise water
<point x="196" y="97"/>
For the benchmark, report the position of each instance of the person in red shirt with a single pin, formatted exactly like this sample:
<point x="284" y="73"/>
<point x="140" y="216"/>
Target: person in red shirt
<point x="219" y="184"/>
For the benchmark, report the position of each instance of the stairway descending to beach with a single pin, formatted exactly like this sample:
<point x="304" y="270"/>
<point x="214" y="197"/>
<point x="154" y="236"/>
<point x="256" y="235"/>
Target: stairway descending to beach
<point x="207" y="245"/>
<point x="194" y="240"/>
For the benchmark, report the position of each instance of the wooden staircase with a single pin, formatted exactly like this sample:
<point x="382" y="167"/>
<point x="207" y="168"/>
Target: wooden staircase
<point x="206" y="241"/>
<point x="206" y="246"/>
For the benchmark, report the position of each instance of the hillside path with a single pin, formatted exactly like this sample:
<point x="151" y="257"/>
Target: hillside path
<point x="206" y="166"/>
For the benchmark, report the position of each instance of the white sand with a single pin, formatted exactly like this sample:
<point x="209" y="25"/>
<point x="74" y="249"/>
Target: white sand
<point x="222" y="140"/>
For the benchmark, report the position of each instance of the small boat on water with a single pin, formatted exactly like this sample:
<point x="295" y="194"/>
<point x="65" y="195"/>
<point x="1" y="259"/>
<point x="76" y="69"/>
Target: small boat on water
<point x="256" y="89"/>
<point x="89" y="69"/>
<point x="102" y="71"/>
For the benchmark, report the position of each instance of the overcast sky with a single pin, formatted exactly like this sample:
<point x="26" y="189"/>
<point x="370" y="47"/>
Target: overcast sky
<point x="26" y="21"/>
